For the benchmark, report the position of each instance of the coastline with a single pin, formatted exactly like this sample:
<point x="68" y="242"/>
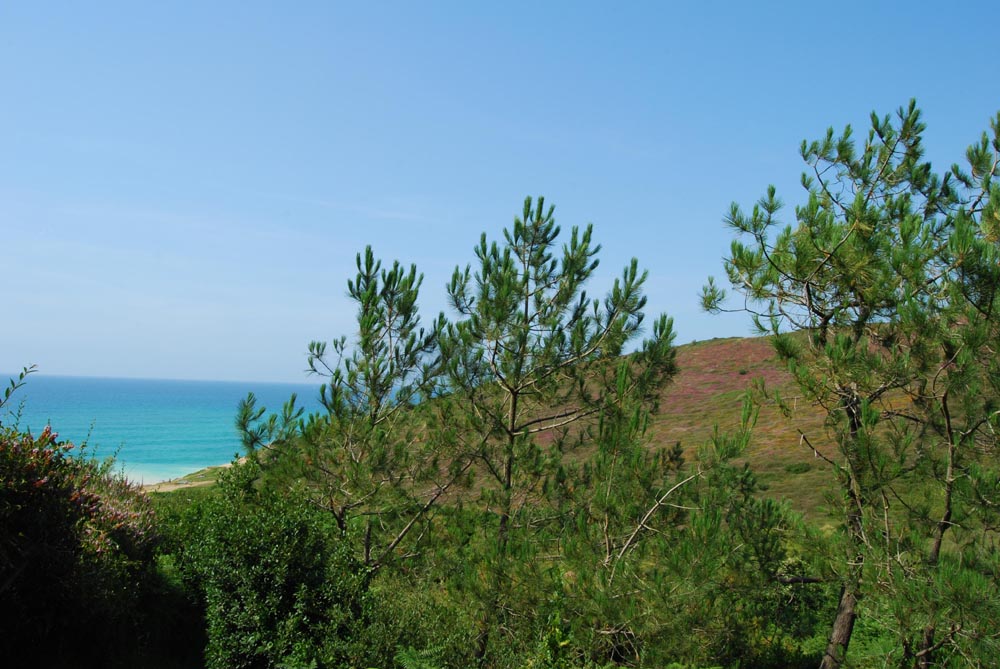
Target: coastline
<point x="205" y="476"/>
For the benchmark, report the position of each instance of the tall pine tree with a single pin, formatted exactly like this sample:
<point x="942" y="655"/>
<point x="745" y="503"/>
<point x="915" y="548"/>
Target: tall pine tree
<point x="890" y="277"/>
<point x="533" y="360"/>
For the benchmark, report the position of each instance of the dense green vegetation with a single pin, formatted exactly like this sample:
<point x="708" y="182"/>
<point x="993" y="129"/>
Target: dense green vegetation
<point x="494" y="489"/>
<point x="892" y="271"/>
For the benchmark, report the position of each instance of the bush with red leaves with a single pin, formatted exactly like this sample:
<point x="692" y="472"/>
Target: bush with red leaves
<point x="77" y="545"/>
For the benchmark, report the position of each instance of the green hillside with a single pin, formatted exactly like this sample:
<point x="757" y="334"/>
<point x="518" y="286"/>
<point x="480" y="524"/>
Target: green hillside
<point x="708" y="390"/>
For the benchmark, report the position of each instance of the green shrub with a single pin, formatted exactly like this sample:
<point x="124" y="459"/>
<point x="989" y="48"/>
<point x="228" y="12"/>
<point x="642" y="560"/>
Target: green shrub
<point x="419" y="624"/>
<point x="280" y="587"/>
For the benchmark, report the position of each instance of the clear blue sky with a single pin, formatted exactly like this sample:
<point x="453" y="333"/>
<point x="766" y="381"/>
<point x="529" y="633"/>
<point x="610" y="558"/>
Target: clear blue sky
<point x="184" y="185"/>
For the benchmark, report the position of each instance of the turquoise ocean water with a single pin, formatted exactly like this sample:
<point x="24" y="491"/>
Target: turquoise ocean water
<point x="157" y="429"/>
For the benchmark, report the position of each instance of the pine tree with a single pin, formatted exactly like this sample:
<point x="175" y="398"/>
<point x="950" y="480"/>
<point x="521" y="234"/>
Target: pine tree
<point x="533" y="360"/>
<point x="370" y="460"/>
<point x="890" y="278"/>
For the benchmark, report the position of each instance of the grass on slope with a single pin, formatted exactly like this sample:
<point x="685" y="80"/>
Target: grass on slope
<point x="709" y="390"/>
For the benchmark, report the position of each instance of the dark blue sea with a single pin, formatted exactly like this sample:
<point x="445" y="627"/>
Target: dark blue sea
<point x="156" y="429"/>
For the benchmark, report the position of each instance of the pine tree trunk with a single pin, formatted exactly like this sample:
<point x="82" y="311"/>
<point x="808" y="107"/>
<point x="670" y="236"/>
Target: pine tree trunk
<point x="843" y="627"/>
<point x="926" y="652"/>
<point x="925" y="658"/>
<point x="843" y="623"/>
<point x="493" y="611"/>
